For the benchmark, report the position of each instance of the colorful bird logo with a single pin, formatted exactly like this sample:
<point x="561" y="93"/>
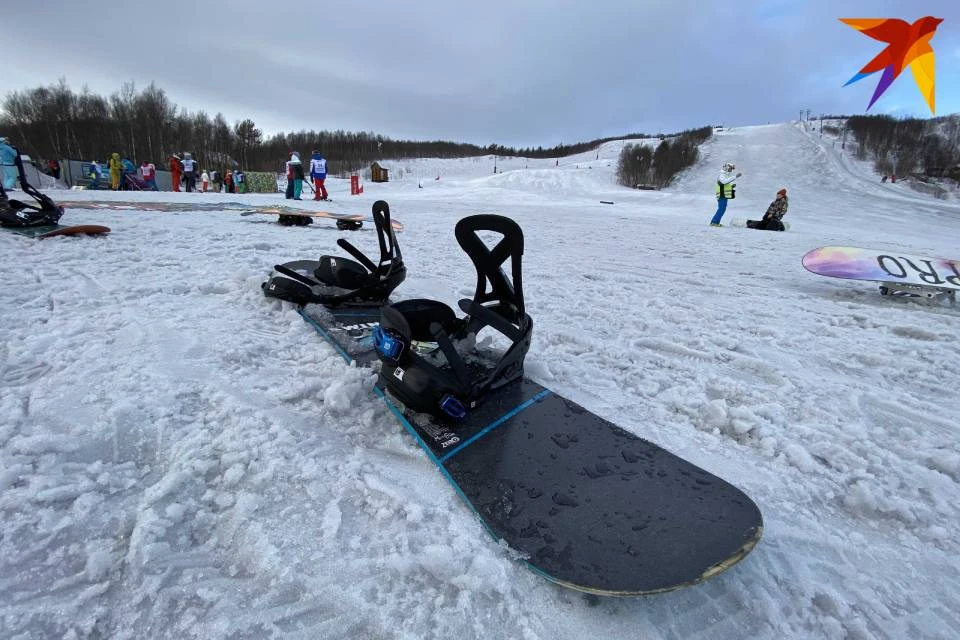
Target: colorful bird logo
<point x="907" y="44"/>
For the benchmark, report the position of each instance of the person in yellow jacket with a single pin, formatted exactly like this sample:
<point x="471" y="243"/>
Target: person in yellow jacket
<point x="726" y="190"/>
<point x="116" y="169"/>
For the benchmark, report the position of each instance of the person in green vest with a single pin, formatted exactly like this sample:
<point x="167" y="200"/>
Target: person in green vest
<point x="726" y="189"/>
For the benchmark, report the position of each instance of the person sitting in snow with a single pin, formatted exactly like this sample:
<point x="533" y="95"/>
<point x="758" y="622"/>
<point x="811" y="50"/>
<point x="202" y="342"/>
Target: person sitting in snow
<point x="726" y="190"/>
<point x="772" y="219"/>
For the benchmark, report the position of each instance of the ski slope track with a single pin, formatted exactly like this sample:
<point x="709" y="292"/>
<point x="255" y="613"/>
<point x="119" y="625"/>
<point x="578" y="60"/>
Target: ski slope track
<point x="182" y="458"/>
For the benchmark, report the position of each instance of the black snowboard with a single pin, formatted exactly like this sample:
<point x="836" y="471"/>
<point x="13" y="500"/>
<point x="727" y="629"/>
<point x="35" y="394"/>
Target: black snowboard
<point x="589" y="505"/>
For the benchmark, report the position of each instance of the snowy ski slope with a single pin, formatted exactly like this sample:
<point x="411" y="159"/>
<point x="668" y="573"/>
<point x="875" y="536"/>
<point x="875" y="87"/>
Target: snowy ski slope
<point x="180" y="457"/>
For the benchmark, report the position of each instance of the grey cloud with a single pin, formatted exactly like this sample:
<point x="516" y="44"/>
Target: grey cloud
<point x="515" y="73"/>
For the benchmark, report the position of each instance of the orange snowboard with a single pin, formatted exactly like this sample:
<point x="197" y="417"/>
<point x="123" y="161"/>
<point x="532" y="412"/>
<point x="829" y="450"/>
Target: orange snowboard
<point x="85" y="229"/>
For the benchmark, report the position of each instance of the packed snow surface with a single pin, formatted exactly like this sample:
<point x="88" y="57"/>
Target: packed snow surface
<point x="181" y="457"/>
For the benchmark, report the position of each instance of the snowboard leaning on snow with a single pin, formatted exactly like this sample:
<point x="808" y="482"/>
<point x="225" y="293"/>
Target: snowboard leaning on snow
<point x="585" y="503"/>
<point x="892" y="269"/>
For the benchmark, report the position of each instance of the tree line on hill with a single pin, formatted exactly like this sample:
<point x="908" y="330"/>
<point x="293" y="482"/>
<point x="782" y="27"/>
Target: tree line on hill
<point x="642" y="166"/>
<point x="908" y="145"/>
<point x="56" y="122"/>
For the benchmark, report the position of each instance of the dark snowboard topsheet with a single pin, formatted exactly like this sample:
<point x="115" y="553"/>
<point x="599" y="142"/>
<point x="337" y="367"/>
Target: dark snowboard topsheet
<point x="589" y="505"/>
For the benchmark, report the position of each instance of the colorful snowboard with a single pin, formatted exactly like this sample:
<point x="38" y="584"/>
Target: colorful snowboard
<point x="890" y="268"/>
<point x="587" y="504"/>
<point x="243" y="208"/>
<point x="49" y="231"/>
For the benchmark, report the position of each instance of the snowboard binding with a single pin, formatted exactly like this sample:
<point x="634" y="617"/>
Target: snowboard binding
<point x="444" y="382"/>
<point x="333" y="281"/>
<point x="293" y="220"/>
<point x="14" y="213"/>
<point x="349" y="225"/>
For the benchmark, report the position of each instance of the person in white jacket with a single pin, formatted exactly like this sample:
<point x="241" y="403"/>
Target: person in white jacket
<point x="204" y="181"/>
<point x="318" y="172"/>
<point x="726" y="189"/>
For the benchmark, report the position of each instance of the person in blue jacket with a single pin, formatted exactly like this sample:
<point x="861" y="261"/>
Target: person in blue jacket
<point x="95" y="174"/>
<point x="318" y="171"/>
<point x="8" y="166"/>
<point x="128" y="168"/>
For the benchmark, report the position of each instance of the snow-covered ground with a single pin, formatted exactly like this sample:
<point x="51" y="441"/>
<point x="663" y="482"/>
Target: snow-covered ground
<point x="182" y="458"/>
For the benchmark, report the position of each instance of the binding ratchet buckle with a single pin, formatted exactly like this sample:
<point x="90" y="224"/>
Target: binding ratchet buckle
<point x="389" y="343"/>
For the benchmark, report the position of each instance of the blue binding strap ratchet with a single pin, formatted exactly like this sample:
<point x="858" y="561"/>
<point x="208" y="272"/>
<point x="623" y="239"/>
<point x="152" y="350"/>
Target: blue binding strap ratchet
<point x="388" y="343"/>
<point x="453" y="407"/>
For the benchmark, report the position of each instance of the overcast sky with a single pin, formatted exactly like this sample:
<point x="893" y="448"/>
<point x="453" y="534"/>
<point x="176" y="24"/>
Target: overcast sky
<point x="512" y="72"/>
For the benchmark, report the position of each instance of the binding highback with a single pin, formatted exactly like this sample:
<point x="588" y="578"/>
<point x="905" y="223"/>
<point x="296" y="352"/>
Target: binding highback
<point x="497" y="301"/>
<point x="452" y="387"/>
<point x="21" y="214"/>
<point x="365" y="280"/>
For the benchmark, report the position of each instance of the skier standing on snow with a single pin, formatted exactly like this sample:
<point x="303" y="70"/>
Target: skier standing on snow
<point x="296" y="170"/>
<point x="116" y="169"/>
<point x="318" y="171"/>
<point x="204" y="181"/>
<point x="726" y="190"/>
<point x="775" y="212"/>
<point x="189" y="172"/>
<point x="95" y="174"/>
<point x="175" y="169"/>
<point x="148" y="171"/>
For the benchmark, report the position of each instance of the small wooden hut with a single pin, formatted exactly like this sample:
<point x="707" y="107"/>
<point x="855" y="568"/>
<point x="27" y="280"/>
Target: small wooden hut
<point x="378" y="173"/>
